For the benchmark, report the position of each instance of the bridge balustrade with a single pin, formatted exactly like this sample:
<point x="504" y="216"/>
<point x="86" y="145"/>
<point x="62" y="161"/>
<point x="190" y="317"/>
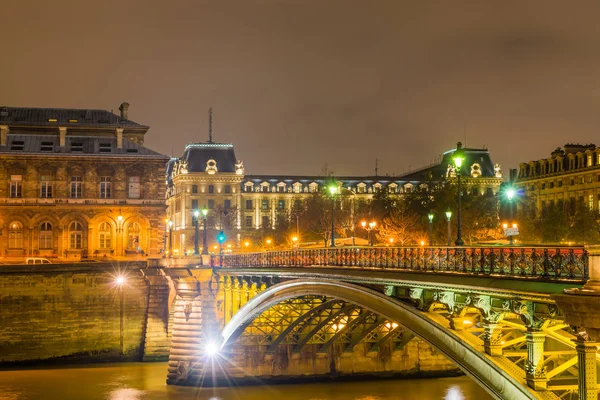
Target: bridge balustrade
<point x="552" y="264"/>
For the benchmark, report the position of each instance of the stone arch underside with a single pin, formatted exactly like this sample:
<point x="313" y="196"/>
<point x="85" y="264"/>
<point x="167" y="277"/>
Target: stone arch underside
<point x="474" y="362"/>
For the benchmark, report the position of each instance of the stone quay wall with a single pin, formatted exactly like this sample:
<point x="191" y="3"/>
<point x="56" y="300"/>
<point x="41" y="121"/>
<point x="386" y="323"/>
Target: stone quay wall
<point x="71" y="311"/>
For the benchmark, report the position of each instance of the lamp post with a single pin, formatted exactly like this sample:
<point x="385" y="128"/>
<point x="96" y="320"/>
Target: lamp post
<point x="170" y="239"/>
<point x="510" y="195"/>
<point x="204" y="244"/>
<point x="448" y="217"/>
<point x="458" y="157"/>
<point x="369" y="227"/>
<point x="430" y="216"/>
<point x="332" y="189"/>
<point x="294" y="242"/>
<point x="120" y="281"/>
<point x="196" y="223"/>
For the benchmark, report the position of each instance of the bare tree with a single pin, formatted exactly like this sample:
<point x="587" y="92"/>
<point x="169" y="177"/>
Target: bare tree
<point x="402" y="224"/>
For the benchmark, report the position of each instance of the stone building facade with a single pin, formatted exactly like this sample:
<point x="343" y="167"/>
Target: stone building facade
<point x="209" y="174"/>
<point x="78" y="183"/>
<point x="569" y="176"/>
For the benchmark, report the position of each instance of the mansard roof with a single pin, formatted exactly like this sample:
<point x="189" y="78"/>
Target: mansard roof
<point x="49" y="145"/>
<point x="198" y="154"/>
<point x="69" y="117"/>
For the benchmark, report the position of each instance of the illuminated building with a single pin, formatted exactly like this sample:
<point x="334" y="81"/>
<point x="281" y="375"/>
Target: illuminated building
<point x="209" y="174"/>
<point x="78" y="183"/>
<point x="571" y="175"/>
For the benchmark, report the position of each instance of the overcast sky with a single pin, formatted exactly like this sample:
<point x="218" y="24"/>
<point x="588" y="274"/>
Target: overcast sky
<point x="296" y="84"/>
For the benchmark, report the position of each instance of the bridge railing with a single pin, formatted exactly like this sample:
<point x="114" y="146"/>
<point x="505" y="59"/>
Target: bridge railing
<point x="554" y="264"/>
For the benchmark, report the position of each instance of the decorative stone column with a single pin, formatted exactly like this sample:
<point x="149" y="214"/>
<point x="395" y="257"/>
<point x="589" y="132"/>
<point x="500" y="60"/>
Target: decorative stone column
<point x="534" y="369"/>
<point x="586" y="359"/>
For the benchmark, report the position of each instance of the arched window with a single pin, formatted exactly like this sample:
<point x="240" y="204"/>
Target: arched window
<point x="15" y="236"/>
<point x="46" y="235"/>
<point x="105" y="235"/>
<point x="133" y="235"/>
<point x="75" y="235"/>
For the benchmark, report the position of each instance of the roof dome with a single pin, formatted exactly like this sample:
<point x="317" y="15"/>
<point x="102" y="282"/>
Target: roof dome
<point x="198" y="155"/>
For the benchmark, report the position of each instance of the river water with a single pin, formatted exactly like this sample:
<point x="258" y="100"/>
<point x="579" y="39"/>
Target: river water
<point x="146" y="381"/>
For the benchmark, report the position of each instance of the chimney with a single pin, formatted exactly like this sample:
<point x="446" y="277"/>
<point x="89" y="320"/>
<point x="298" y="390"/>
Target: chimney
<point x="63" y="135"/>
<point x="4" y="130"/>
<point x="124" y="110"/>
<point x="119" y="132"/>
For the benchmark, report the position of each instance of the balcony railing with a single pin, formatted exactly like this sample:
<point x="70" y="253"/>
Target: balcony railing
<point x="549" y="264"/>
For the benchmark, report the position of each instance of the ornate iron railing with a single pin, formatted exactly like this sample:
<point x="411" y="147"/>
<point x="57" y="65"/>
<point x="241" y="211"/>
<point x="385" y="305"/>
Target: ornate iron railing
<point x="554" y="264"/>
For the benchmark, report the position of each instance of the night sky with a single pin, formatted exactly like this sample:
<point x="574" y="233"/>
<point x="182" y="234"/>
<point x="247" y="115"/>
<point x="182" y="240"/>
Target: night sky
<point x="295" y="84"/>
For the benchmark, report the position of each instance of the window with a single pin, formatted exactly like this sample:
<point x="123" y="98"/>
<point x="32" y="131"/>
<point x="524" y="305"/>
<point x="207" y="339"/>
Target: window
<point x="249" y="204"/>
<point x="75" y="235"/>
<point x="46" y="187"/>
<point x="581" y="180"/>
<point x="105" y="187"/>
<point x="281" y="204"/>
<point x="281" y="188"/>
<point x="227" y="189"/>
<point x="226" y="204"/>
<point x="543" y="185"/>
<point x="265" y="221"/>
<point x="15" y="185"/>
<point x="211" y="204"/>
<point x="15" y="236"/>
<point x="76" y="182"/>
<point x="265" y="205"/>
<point x="76" y="147"/>
<point x="134" y="187"/>
<point x="194" y="189"/>
<point x="105" y="147"/>
<point x="297" y="204"/>
<point x="133" y="236"/>
<point x="248" y="221"/>
<point x="17" y="145"/>
<point x="45" y="235"/>
<point x="105" y="235"/>
<point x="591" y="201"/>
<point x="194" y="204"/>
<point x="572" y="181"/>
<point x="47" y="146"/>
<point x="560" y="183"/>
<point x="211" y="188"/>
<point x="551" y="185"/>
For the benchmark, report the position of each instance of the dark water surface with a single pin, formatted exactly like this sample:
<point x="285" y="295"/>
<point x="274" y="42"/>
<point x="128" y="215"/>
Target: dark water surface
<point x="133" y="381"/>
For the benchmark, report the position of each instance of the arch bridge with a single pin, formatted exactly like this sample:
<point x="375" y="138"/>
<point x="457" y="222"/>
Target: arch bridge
<point x="496" y="313"/>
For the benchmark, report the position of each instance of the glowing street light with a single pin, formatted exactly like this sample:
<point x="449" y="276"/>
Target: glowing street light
<point x="510" y="194"/>
<point x="294" y="242"/>
<point x="430" y="216"/>
<point x="458" y="157"/>
<point x="448" y="217"/>
<point x="211" y="349"/>
<point x="333" y="190"/>
<point x="369" y="227"/>
<point x="204" y="244"/>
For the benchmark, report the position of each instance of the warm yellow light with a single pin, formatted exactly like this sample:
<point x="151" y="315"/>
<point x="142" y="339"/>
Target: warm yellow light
<point x="422" y="243"/>
<point x="294" y="239"/>
<point x="119" y="280"/>
<point x="467" y="322"/>
<point x="246" y="244"/>
<point x="514" y="225"/>
<point x="335" y="327"/>
<point x="215" y="247"/>
<point x="505" y="226"/>
<point x="72" y="120"/>
<point x="166" y="220"/>
<point x="269" y="241"/>
<point x="372" y="224"/>
<point x="229" y="246"/>
<point x="388" y="325"/>
<point x="364" y="224"/>
<point x="120" y="218"/>
<point x="391" y="240"/>
<point x="52" y="120"/>
<point x="394" y="325"/>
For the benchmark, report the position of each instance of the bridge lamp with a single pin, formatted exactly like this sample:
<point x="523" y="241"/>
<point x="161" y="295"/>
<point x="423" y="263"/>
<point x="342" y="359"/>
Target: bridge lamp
<point x="246" y="243"/>
<point x="422" y="243"/>
<point x="448" y="217"/>
<point x="391" y="241"/>
<point x="333" y="190"/>
<point x="430" y="217"/>
<point x="211" y="349"/>
<point x="458" y="157"/>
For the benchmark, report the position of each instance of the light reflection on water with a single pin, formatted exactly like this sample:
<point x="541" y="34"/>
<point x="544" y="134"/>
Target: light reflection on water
<point x="137" y="381"/>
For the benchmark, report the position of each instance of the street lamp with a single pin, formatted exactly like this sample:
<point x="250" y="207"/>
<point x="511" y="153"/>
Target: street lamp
<point x="458" y="157"/>
<point x="332" y="189"/>
<point x="120" y="282"/>
<point x="448" y="217"/>
<point x="196" y="216"/>
<point x="369" y="227"/>
<point x="430" y="216"/>
<point x="294" y="241"/>
<point x="510" y="195"/>
<point x="170" y="238"/>
<point x="204" y="244"/>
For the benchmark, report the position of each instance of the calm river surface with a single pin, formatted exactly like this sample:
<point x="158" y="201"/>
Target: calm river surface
<point x="133" y="381"/>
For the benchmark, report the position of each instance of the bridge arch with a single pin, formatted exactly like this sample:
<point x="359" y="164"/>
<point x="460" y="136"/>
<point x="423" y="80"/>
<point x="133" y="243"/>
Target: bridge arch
<point x="474" y="362"/>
